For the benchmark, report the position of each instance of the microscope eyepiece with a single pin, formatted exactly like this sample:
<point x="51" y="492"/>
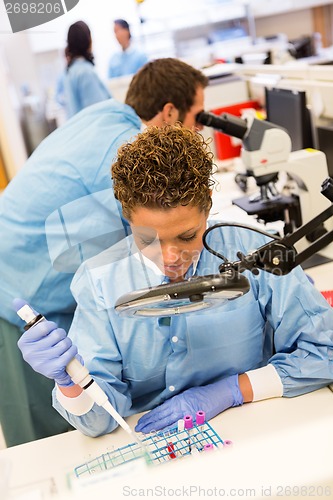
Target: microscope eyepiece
<point x="227" y="123"/>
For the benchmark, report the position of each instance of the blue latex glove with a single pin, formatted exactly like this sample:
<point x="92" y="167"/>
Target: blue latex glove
<point x="212" y="399"/>
<point x="47" y="349"/>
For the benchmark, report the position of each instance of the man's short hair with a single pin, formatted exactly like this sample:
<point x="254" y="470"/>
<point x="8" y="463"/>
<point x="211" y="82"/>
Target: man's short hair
<point x="121" y="22"/>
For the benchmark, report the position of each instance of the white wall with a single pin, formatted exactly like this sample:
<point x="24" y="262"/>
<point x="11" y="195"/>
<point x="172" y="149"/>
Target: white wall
<point x="98" y="14"/>
<point x="294" y="24"/>
<point x="47" y="41"/>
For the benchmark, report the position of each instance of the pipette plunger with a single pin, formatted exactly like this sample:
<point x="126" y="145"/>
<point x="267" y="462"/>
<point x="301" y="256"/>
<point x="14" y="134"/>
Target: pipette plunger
<point x="78" y="373"/>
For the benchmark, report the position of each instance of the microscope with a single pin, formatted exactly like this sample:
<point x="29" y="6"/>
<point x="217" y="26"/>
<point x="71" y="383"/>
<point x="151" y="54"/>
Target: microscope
<point x="266" y="152"/>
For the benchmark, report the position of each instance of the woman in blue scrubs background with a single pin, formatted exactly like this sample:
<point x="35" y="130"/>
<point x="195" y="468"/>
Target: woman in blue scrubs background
<point x="82" y="85"/>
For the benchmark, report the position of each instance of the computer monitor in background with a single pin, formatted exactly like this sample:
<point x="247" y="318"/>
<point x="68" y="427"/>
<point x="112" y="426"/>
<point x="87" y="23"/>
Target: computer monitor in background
<point x="288" y="109"/>
<point x="325" y="144"/>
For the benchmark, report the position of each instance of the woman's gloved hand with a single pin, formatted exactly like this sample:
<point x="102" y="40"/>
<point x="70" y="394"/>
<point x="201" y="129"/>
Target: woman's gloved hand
<point x="212" y="399"/>
<point x="47" y="349"/>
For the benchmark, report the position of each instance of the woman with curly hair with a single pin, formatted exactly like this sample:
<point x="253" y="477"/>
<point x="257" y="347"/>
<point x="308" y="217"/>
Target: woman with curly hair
<point x="276" y="340"/>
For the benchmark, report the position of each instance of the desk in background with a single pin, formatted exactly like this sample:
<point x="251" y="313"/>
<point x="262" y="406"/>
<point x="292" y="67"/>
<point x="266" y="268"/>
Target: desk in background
<point x="278" y="444"/>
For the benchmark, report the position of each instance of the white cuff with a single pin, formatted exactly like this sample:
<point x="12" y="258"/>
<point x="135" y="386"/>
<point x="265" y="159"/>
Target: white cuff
<point x="265" y="382"/>
<point x="77" y="406"/>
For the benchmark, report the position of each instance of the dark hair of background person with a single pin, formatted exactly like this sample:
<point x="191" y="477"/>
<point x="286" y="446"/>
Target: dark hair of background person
<point x="124" y="24"/>
<point x="79" y="43"/>
<point x="173" y="81"/>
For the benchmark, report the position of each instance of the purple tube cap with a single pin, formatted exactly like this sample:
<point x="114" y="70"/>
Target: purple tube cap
<point x="188" y="421"/>
<point x="209" y="447"/>
<point x="200" y="417"/>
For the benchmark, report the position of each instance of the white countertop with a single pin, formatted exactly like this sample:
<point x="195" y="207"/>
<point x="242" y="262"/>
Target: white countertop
<point x="277" y="445"/>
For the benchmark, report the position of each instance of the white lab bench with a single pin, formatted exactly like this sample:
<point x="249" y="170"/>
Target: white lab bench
<point x="277" y="445"/>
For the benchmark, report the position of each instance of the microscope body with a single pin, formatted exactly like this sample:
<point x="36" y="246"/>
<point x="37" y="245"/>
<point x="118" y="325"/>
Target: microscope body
<point x="265" y="153"/>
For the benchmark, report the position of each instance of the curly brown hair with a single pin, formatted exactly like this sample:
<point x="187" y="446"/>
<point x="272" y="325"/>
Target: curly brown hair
<point x="163" y="168"/>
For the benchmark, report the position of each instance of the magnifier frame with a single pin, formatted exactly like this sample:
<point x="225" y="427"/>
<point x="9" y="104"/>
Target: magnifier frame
<point x="194" y="294"/>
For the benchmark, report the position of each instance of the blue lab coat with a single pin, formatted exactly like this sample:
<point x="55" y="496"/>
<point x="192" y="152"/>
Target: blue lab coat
<point x="141" y="362"/>
<point x="126" y="62"/>
<point x="68" y="166"/>
<point x="82" y="87"/>
<point x="58" y="210"/>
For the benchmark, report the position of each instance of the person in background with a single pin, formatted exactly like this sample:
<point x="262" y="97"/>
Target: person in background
<point x="82" y="86"/>
<point x="67" y="179"/>
<point x="275" y="340"/>
<point x="128" y="60"/>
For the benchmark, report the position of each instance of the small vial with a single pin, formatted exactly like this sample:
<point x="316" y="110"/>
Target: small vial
<point x="200" y="418"/>
<point x="209" y="447"/>
<point x="188" y="427"/>
<point x="170" y="449"/>
<point x="188" y="422"/>
<point x="180" y="425"/>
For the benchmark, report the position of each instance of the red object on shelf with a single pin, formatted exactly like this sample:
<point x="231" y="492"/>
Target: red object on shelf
<point x="328" y="294"/>
<point x="223" y="145"/>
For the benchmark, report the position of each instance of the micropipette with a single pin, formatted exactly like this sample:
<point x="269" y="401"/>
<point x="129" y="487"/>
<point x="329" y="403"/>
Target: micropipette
<point x="78" y="373"/>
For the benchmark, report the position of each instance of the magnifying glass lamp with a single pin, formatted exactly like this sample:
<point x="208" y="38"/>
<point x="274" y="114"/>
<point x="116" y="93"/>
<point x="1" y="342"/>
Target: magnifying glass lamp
<point x="186" y="296"/>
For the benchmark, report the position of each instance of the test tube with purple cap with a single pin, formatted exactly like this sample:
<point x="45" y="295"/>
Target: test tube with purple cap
<point x="188" y="423"/>
<point x="200" y="418"/>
